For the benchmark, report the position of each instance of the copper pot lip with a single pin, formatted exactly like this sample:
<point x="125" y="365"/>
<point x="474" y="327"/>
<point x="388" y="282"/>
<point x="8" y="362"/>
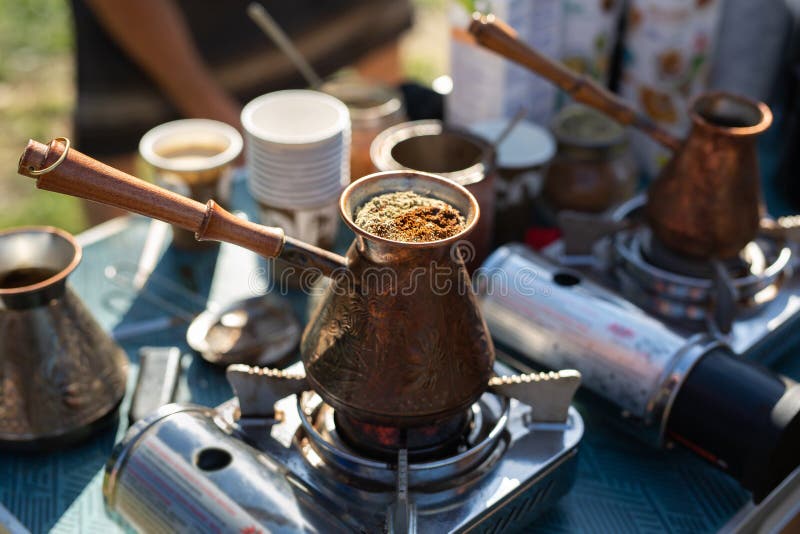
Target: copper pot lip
<point x="378" y="176"/>
<point x="762" y="125"/>
<point x="58" y="277"/>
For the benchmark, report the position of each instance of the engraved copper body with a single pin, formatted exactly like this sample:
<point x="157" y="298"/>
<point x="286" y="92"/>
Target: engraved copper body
<point x="60" y="373"/>
<point x="706" y="202"/>
<point x="398" y="338"/>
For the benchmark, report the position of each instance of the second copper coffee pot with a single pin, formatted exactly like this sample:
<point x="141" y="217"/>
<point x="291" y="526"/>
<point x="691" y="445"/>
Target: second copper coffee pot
<point x="398" y="338"/>
<point x="706" y="203"/>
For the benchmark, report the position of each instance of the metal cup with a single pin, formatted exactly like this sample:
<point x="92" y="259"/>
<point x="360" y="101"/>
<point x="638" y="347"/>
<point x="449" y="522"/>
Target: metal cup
<point x="61" y="375"/>
<point x="458" y="155"/>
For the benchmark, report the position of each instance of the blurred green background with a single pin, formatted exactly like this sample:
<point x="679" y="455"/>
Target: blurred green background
<point x="37" y="94"/>
<point x="36" y="99"/>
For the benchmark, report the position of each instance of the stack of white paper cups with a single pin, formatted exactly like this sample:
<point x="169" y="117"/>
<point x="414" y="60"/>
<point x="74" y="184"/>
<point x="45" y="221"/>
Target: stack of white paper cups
<point x="298" y="161"/>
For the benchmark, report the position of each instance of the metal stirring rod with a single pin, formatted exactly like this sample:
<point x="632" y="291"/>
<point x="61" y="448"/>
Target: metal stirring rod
<point x="270" y="27"/>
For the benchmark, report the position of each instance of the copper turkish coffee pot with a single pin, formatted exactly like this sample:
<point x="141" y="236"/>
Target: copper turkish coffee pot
<point x="398" y="338"/>
<point x="706" y="203"/>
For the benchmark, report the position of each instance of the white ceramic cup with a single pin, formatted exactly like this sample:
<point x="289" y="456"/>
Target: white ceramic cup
<point x="192" y="157"/>
<point x="191" y="145"/>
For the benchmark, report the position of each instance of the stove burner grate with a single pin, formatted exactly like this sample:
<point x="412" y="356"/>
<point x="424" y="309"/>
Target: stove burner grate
<point x="686" y="289"/>
<point x="323" y="445"/>
<point x="423" y="443"/>
<point x="656" y="253"/>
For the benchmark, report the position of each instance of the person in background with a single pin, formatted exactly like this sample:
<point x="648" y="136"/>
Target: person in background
<point x="143" y="63"/>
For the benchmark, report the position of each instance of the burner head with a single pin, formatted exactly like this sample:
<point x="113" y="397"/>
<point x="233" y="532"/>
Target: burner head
<point x="423" y="442"/>
<point x="691" y="290"/>
<point x="440" y="454"/>
<point x="654" y="251"/>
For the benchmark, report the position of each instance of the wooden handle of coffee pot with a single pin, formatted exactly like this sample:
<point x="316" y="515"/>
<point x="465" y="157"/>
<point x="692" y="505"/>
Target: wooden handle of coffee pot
<point x="496" y="35"/>
<point x="81" y="176"/>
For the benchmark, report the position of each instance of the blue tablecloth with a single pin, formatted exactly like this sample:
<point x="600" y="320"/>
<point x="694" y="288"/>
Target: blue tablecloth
<point x="622" y="486"/>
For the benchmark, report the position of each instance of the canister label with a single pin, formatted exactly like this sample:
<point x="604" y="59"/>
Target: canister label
<point x="160" y="491"/>
<point x="622" y="353"/>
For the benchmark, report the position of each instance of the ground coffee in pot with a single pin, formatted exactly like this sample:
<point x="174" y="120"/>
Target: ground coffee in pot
<point x="408" y="216"/>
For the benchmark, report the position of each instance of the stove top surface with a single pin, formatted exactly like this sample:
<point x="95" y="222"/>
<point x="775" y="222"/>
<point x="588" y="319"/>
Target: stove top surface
<point x="507" y="470"/>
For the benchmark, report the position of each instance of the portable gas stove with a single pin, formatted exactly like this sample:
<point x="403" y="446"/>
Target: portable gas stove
<point x="750" y="302"/>
<point x="660" y="337"/>
<point x="246" y="467"/>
